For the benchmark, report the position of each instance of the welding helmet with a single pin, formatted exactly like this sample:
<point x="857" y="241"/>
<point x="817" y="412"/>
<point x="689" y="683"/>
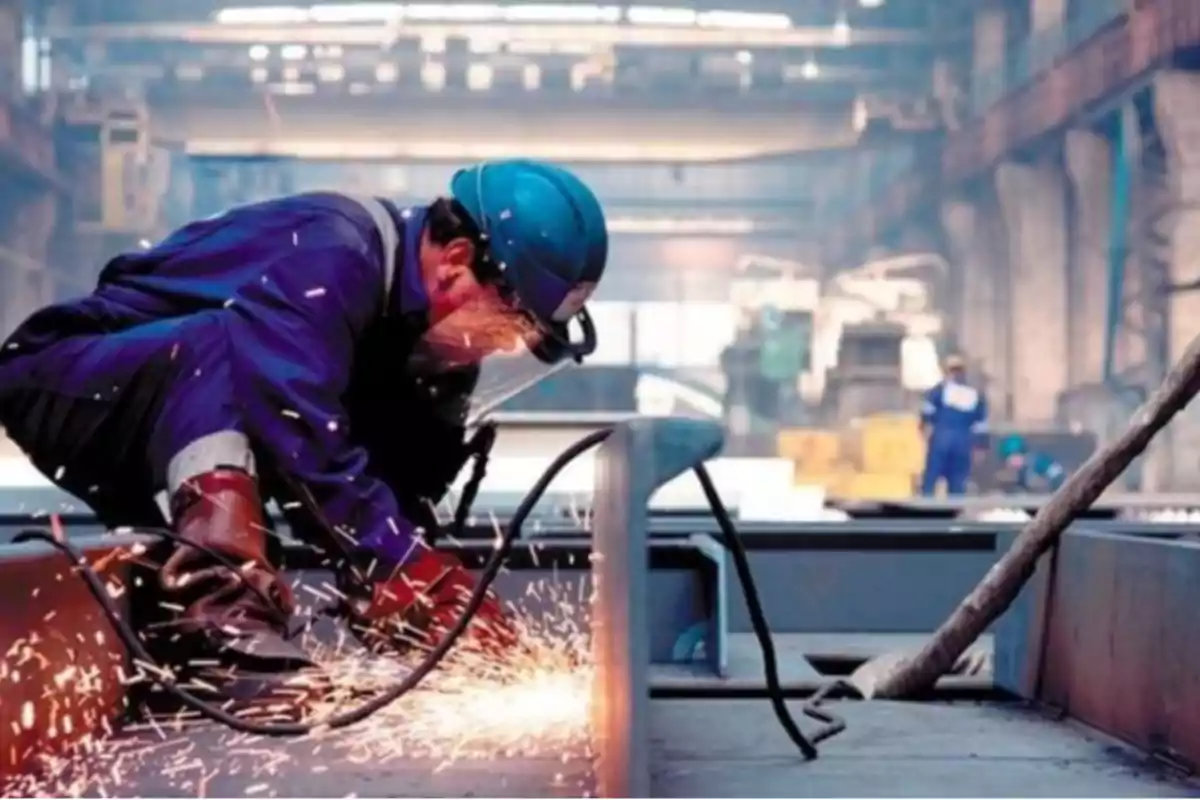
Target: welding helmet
<point x="543" y="243"/>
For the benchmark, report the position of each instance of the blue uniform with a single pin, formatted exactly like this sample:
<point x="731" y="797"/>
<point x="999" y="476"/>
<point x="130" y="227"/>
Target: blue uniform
<point x="955" y="415"/>
<point x="288" y="321"/>
<point x="1040" y="472"/>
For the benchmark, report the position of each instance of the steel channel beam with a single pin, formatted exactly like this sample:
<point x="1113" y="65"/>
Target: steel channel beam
<point x="1108" y="631"/>
<point x="638" y="457"/>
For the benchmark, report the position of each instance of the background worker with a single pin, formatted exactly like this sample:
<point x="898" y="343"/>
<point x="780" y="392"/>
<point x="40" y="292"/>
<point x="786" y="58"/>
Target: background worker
<point x="954" y="420"/>
<point x="1027" y="472"/>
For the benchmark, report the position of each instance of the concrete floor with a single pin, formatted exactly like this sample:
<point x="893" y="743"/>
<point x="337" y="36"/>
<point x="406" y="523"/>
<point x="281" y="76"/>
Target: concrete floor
<point x="701" y="748"/>
<point x="210" y="761"/>
<point x="735" y="748"/>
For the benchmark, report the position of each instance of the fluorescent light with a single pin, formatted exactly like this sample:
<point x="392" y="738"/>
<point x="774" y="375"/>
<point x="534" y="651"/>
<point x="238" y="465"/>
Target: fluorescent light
<point x="331" y="73"/>
<point x="479" y="76"/>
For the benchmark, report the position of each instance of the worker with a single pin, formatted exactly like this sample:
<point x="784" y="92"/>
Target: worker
<point x="954" y="420"/>
<point x="1025" y="471"/>
<point x="319" y="350"/>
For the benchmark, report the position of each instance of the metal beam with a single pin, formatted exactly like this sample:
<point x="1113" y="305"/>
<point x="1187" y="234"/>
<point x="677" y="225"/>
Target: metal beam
<point x="1117" y="640"/>
<point x="637" y="459"/>
<point x="386" y="35"/>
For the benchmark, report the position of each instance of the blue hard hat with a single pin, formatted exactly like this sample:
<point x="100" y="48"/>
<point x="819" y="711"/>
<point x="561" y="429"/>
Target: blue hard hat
<point x="1012" y="446"/>
<point x="546" y="235"/>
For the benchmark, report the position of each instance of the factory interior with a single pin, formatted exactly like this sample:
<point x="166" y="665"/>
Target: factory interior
<point x="820" y="214"/>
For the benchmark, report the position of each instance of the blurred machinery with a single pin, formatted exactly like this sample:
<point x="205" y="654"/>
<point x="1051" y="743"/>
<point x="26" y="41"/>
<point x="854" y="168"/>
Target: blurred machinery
<point x="868" y="376"/>
<point x="834" y="368"/>
<point x="123" y="176"/>
<point x="771" y="353"/>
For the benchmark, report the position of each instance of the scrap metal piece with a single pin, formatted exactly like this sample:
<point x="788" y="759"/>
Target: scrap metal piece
<point x="63" y="672"/>
<point x="638" y="458"/>
<point x="1118" y="643"/>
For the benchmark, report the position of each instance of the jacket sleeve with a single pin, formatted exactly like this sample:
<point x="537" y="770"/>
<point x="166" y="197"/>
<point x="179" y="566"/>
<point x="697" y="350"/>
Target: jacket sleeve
<point x="931" y="405"/>
<point x="294" y="335"/>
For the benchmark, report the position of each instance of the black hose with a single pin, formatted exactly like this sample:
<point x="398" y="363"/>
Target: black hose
<point x="758" y="618"/>
<point x="732" y="540"/>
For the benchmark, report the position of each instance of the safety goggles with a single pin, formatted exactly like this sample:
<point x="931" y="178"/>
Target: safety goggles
<point x="556" y="311"/>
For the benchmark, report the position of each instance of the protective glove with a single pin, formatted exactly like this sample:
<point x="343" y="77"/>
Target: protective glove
<point x="421" y="601"/>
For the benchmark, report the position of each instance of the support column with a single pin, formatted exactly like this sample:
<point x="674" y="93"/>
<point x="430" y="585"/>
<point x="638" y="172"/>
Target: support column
<point x="1089" y="166"/>
<point x="1033" y="208"/>
<point x="1177" y="118"/>
<point x="976" y="248"/>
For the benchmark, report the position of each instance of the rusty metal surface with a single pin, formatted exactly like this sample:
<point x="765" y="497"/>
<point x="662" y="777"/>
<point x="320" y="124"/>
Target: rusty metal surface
<point x="1123" y="640"/>
<point x="60" y="660"/>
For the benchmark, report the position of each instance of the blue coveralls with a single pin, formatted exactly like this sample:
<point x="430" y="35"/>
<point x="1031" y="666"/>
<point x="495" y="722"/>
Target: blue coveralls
<point x="956" y="416"/>
<point x="1040" y="472"/>
<point x="288" y="321"/>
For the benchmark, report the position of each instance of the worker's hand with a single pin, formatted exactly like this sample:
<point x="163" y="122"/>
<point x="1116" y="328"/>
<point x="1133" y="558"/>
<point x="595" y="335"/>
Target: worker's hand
<point x="424" y="599"/>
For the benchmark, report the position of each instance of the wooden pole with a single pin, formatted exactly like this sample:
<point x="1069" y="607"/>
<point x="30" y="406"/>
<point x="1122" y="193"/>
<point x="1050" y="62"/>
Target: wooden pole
<point x="906" y="676"/>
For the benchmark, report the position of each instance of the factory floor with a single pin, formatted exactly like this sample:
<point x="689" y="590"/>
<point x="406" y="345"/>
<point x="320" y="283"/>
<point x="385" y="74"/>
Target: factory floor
<point x="702" y="748"/>
<point x="735" y="748"/>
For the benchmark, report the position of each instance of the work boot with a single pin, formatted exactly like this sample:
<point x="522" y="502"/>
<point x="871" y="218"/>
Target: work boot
<point x="421" y="601"/>
<point x="232" y="625"/>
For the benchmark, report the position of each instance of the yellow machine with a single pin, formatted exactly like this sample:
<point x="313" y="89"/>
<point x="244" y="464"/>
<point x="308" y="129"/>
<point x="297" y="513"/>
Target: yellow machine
<point x="879" y="457"/>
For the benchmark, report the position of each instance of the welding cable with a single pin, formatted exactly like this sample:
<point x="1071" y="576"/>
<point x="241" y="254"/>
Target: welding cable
<point x="758" y="618"/>
<point x="732" y="540"/>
